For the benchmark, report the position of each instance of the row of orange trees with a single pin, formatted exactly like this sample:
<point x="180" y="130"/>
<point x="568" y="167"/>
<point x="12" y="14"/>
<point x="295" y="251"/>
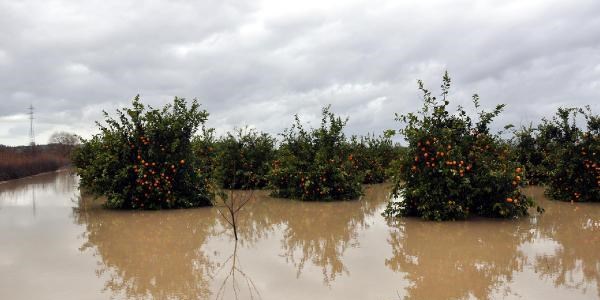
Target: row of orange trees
<point x="148" y="158"/>
<point x="249" y="159"/>
<point x="564" y="154"/>
<point x="454" y="166"/>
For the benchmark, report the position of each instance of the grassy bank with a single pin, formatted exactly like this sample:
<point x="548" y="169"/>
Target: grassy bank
<point x="18" y="162"/>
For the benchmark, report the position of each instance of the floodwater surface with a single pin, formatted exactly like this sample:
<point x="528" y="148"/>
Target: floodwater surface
<point x="55" y="244"/>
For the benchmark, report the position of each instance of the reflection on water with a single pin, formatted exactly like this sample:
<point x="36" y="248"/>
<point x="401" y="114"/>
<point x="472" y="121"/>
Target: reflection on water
<point x="236" y="280"/>
<point x="22" y="192"/>
<point x="313" y="233"/>
<point x="55" y="244"/>
<point x="575" y="231"/>
<point x="149" y="254"/>
<point x="457" y="260"/>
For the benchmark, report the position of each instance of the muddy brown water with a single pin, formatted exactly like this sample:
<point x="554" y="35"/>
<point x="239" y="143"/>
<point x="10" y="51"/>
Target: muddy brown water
<point x="54" y="244"/>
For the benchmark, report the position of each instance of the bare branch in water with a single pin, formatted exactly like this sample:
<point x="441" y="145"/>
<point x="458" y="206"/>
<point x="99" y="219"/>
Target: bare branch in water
<point x="231" y="206"/>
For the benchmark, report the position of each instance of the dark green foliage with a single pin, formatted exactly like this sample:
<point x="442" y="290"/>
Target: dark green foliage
<point x="573" y="155"/>
<point x="373" y="156"/>
<point x="243" y="159"/>
<point x="529" y="151"/>
<point x="204" y="149"/>
<point x="454" y="167"/>
<point x="316" y="164"/>
<point x="144" y="159"/>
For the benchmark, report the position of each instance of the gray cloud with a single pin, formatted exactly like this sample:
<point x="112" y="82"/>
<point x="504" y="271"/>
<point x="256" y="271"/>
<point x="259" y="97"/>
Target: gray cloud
<point x="258" y="64"/>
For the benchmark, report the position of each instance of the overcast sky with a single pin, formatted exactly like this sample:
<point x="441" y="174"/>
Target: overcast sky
<point x="258" y="63"/>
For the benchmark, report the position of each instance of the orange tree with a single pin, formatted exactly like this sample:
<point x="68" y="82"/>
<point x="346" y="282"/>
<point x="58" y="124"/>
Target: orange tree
<point x="373" y="156"/>
<point x="244" y="158"/>
<point x="316" y="164"/>
<point x="573" y="155"/>
<point x="454" y="167"/>
<point x="529" y="150"/>
<point x="143" y="159"/>
<point x="204" y="149"/>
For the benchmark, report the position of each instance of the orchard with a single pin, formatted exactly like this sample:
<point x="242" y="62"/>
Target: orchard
<point x="452" y="167"/>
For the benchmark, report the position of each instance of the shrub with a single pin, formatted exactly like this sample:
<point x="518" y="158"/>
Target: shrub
<point x="143" y="158"/>
<point x="529" y="151"/>
<point x="454" y="168"/>
<point x="18" y="162"/>
<point x="573" y="155"/>
<point x="244" y="158"/>
<point x="204" y="149"/>
<point x="316" y="164"/>
<point x="373" y="155"/>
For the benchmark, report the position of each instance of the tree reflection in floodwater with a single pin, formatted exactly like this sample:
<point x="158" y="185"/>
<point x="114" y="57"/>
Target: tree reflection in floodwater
<point x="246" y="290"/>
<point x="456" y="260"/>
<point x="316" y="233"/>
<point x="151" y="254"/>
<point x="479" y="258"/>
<point x="146" y="257"/>
<point x="179" y="254"/>
<point x="26" y="189"/>
<point x="575" y="263"/>
<point x="322" y="233"/>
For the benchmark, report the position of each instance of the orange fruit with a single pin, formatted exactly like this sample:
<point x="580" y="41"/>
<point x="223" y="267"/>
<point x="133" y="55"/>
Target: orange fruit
<point x="509" y="200"/>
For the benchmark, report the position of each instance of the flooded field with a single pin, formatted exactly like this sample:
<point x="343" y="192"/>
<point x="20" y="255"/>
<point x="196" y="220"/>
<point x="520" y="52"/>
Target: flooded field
<point x="54" y="244"/>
